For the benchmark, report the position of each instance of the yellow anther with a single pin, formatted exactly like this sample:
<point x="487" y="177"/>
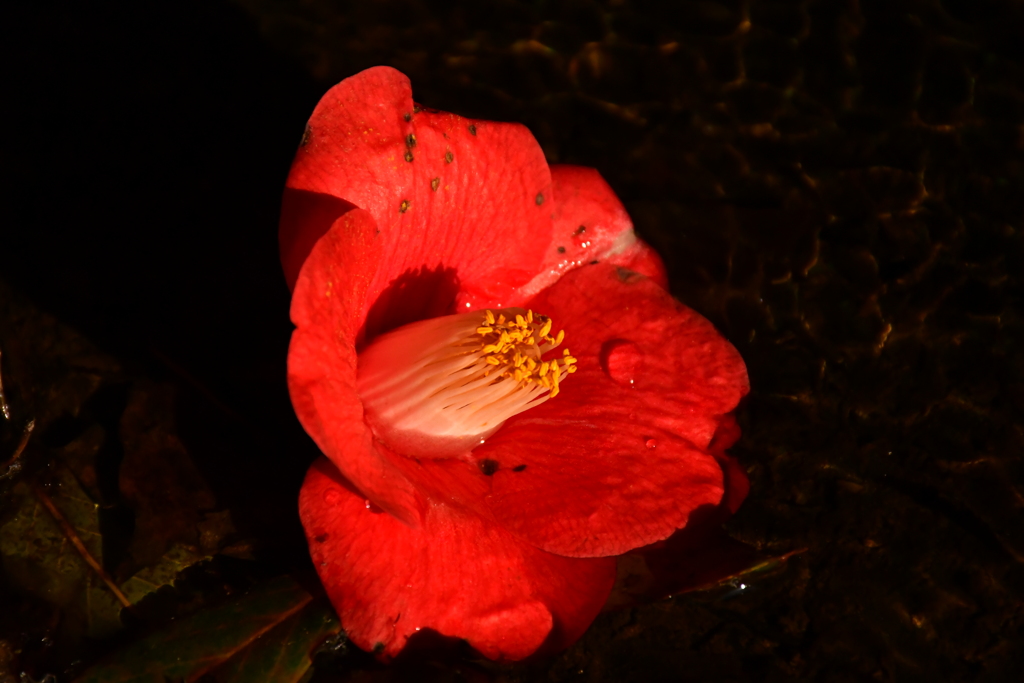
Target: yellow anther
<point x="512" y="346"/>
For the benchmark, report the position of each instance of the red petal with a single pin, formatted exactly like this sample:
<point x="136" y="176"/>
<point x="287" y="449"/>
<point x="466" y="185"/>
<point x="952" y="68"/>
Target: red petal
<point x="590" y="223"/>
<point x="700" y="555"/>
<point x="737" y="485"/>
<point x="469" y="204"/>
<point x="326" y="310"/>
<point x="305" y="218"/>
<point x="623" y="455"/>
<point x="458" y="574"/>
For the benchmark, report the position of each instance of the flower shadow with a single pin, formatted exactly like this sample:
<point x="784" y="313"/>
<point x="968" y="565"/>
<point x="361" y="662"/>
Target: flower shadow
<point x="698" y="556"/>
<point x="414" y="295"/>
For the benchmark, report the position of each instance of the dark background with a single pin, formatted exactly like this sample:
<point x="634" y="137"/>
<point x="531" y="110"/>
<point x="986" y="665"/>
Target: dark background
<point x="838" y="185"/>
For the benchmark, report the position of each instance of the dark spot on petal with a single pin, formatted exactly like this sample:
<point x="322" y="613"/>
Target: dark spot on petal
<point x="519" y="468"/>
<point x="448" y="157"/>
<point x="626" y="275"/>
<point x="561" y="250"/>
<point x="306" y="134"/>
<point x="408" y="155"/>
<point x="410" y="140"/>
<point x="416" y="109"/>
<point x="472" y="129"/>
<point x="378" y="648"/>
<point x="489" y="467"/>
<point x="407" y="116"/>
<point x="320" y="538"/>
<point x="594" y="262"/>
<point x="580" y="230"/>
<point x="540" y="199"/>
<point x="404" y="206"/>
<point x="435" y="183"/>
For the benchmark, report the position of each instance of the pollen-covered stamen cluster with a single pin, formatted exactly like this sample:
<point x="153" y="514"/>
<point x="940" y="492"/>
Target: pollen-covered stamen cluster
<point x="438" y="387"/>
<point x="512" y="346"/>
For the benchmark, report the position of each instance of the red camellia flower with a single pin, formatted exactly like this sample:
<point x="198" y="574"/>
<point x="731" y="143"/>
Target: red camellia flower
<point x="480" y="479"/>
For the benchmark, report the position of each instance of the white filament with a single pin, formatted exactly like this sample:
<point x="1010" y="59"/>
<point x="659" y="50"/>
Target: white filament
<point x="429" y="391"/>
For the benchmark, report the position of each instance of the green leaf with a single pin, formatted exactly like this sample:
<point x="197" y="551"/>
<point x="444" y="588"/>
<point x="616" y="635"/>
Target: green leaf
<point x="283" y="655"/>
<point x="39" y="557"/>
<point x="163" y="573"/>
<point x="193" y="646"/>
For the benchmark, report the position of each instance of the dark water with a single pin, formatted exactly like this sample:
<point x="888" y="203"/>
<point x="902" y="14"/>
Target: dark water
<point x="837" y="185"/>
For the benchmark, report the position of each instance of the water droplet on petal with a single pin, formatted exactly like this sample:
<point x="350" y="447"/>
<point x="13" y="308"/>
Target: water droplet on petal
<point x="368" y="504"/>
<point x="651" y="443"/>
<point x="332" y="496"/>
<point x="622" y="360"/>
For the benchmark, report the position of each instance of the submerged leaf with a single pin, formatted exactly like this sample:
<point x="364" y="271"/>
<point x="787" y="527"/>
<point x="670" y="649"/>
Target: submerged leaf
<point x="283" y="655"/>
<point x="41" y="557"/>
<point x="161" y="574"/>
<point x="193" y="646"/>
<point x="681" y="565"/>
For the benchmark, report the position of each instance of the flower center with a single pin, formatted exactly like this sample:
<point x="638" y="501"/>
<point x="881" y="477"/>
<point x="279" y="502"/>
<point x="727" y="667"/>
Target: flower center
<point x="437" y="388"/>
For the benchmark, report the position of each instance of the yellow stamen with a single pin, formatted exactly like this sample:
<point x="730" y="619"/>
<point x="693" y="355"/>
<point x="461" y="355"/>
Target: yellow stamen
<point x="514" y="346"/>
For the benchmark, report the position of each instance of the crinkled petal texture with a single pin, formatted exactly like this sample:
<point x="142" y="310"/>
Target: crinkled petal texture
<point x="327" y="309"/>
<point x="394" y="214"/>
<point x="465" y="206"/>
<point x="460" y="574"/>
<point x="630" y="435"/>
<point x="459" y="204"/>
